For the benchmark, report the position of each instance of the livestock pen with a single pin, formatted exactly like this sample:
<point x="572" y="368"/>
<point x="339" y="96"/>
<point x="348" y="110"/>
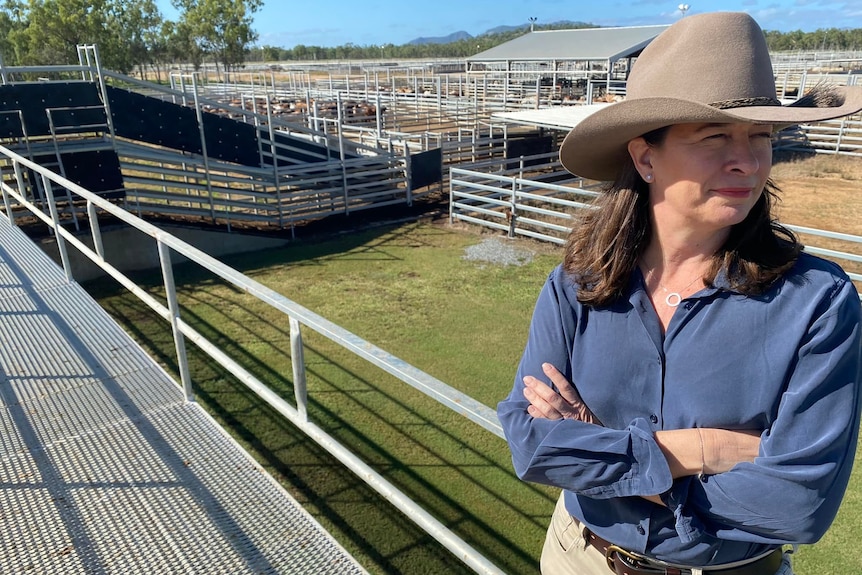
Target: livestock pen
<point x="532" y="197"/>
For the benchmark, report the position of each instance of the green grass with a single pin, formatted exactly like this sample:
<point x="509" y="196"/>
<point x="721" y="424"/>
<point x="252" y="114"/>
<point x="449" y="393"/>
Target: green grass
<point x="838" y="553"/>
<point x="408" y="290"/>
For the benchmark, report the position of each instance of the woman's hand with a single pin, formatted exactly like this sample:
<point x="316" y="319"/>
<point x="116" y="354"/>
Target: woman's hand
<point x="688" y="451"/>
<point x="566" y="403"/>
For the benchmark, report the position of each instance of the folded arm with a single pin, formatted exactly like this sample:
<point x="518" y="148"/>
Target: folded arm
<point x="788" y="493"/>
<point x="687" y="451"/>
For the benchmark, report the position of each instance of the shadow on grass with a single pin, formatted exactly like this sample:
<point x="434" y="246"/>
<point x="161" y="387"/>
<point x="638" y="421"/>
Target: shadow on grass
<point x="346" y="506"/>
<point x="384" y="460"/>
<point x="783" y="156"/>
<point x="365" y="245"/>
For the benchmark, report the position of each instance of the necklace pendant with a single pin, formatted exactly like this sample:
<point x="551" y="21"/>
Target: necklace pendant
<point x="673" y="299"/>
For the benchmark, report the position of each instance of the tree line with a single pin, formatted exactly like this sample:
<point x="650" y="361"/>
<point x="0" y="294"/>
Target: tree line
<point x="835" y="39"/>
<point x="133" y="34"/>
<point x="456" y="49"/>
<point x="129" y="34"/>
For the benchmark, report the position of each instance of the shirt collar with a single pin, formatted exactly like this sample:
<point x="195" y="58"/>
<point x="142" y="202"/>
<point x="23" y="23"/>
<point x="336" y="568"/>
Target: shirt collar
<point x="720" y="283"/>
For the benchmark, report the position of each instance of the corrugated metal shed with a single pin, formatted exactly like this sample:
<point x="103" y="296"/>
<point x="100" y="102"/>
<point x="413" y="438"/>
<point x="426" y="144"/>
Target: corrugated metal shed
<point x="580" y="44"/>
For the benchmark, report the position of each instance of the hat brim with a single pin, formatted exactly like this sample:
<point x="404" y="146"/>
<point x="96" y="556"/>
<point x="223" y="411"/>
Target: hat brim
<point x="597" y="147"/>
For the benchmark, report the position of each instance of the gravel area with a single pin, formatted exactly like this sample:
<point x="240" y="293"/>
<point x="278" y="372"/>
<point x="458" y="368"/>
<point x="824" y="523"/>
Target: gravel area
<point x="499" y="251"/>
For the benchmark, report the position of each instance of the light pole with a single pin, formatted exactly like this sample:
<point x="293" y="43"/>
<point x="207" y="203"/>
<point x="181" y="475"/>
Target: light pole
<point x="532" y="22"/>
<point x="683" y="8"/>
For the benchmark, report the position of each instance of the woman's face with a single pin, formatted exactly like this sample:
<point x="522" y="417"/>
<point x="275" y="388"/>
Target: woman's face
<point x="706" y="176"/>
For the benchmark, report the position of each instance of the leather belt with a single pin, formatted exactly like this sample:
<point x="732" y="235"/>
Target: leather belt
<point x="624" y="562"/>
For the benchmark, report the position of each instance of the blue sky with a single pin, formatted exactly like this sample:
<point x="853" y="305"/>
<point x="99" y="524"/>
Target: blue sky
<point x="287" y="23"/>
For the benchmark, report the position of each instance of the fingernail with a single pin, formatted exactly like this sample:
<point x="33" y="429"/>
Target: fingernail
<point x="546" y="366"/>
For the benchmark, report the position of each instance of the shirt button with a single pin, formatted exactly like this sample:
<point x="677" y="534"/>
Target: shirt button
<point x="653" y="418"/>
<point x="641" y="530"/>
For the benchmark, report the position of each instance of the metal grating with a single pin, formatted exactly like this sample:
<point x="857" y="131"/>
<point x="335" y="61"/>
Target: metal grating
<point x="104" y="468"/>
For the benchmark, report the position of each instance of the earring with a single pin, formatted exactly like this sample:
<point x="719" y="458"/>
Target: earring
<point x="648" y="177"/>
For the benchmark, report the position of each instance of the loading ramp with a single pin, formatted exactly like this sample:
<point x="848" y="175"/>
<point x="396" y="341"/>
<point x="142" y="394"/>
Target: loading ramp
<point x="104" y="465"/>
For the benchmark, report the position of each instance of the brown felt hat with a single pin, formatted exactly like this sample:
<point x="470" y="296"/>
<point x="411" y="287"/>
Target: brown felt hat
<point x="705" y="68"/>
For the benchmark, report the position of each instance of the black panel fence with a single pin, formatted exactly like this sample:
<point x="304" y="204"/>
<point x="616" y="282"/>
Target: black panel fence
<point x="163" y="156"/>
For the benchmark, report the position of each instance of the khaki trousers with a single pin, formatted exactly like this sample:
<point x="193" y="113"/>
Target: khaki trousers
<point x="566" y="551"/>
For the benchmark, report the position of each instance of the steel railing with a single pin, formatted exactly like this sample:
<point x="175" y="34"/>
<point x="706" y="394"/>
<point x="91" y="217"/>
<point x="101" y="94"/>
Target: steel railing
<point x="509" y="196"/>
<point x="512" y="196"/>
<point x="298" y="317"/>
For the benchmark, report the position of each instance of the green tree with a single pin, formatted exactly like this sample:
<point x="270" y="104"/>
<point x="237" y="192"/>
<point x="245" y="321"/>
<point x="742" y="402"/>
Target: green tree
<point x="49" y="31"/>
<point x="180" y="45"/>
<point x="138" y="34"/>
<point x="220" y="28"/>
<point x="9" y="26"/>
<point x="159" y="52"/>
<point x="270" y="53"/>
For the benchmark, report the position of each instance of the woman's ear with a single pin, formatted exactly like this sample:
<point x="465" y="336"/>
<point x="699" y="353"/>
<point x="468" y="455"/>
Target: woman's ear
<point x="641" y="154"/>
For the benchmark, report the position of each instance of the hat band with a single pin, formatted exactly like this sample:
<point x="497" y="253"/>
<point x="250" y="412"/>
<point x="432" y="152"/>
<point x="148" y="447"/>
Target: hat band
<point x="745" y="102"/>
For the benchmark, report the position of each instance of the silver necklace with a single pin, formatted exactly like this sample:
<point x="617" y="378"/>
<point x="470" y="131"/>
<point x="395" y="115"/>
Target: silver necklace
<point x="674" y="298"/>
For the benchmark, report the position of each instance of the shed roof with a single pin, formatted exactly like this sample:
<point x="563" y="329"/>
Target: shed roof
<point x="580" y="44"/>
<point x="560" y="117"/>
<point x="556" y="118"/>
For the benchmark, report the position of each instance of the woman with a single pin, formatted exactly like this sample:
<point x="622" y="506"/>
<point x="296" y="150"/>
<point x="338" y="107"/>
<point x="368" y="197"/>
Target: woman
<point x="714" y="400"/>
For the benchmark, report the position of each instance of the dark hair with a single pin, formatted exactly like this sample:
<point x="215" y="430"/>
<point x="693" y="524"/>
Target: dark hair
<point x="606" y="243"/>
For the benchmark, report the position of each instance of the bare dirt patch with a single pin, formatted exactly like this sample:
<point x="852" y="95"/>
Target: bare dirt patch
<point x="823" y="192"/>
<point x="817" y="191"/>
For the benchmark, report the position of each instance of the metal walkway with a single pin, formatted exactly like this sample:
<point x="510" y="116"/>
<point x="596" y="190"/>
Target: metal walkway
<point x="105" y="468"/>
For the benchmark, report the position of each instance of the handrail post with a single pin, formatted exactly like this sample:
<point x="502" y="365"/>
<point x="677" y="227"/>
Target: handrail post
<point x="106" y="100"/>
<point x="95" y="229"/>
<point x="62" y="170"/>
<point x="55" y="219"/>
<point x="513" y="214"/>
<point x="19" y="179"/>
<point x="202" y="131"/>
<point x="341" y="154"/>
<point x="174" y="309"/>
<point x="451" y="198"/>
<point x="841" y="129"/>
<point x="408" y="171"/>
<point x="297" y="361"/>
<point x="274" y="151"/>
<point x="6" y="203"/>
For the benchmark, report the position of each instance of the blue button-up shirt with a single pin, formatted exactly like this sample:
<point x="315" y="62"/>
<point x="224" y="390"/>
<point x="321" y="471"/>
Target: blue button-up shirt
<point x="786" y="363"/>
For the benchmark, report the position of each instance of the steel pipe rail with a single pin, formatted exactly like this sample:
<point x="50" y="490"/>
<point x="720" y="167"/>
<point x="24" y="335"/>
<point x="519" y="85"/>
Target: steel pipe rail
<point x="297" y="314"/>
<point x="499" y="199"/>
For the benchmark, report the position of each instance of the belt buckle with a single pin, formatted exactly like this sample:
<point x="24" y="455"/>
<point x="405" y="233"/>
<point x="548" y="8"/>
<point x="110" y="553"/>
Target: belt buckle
<point x="609" y="556"/>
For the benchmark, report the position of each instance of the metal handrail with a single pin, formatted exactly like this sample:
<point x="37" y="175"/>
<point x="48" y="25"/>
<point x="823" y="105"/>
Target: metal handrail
<point x="298" y="316"/>
<point x="499" y="196"/>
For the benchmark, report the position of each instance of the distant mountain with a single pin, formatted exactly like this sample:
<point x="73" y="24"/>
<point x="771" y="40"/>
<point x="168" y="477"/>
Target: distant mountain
<point x="558" y="25"/>
<point x="453" y="37"/>
<point x="462" y="35"/>
<point x="502" y="29"/>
